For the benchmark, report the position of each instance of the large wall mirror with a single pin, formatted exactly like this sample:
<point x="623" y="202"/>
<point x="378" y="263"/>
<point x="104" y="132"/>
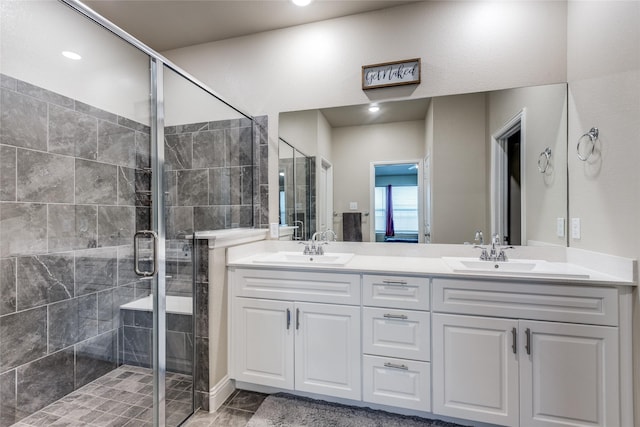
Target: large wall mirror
<point x="441" y="169"/>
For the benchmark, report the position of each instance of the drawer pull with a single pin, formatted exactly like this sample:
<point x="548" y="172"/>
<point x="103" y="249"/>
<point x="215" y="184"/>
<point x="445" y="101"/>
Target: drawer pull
<point x="297" y="319"/>
<point x="527" y="345"/>
<point x="288" y="319"/>
<point x="395" y="282"/>
<point x="395" y="316"/>
<point x="396" y="366"/>
<point x="514" y="346"/>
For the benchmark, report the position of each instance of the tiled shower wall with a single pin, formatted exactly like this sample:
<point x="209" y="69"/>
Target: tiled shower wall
<point x="72" y="179"/>
<point x="74" y="186"/>
<point x="217" y="179"/>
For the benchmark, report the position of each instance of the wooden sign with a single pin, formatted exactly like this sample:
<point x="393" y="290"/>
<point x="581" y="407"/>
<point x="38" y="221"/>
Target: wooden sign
<point x="396" y="73"/>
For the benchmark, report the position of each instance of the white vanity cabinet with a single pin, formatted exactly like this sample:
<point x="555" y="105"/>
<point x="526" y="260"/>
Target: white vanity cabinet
<point x="396" y="341"/>
<point x="297" y="331"/>
<point x="524" y="354"/>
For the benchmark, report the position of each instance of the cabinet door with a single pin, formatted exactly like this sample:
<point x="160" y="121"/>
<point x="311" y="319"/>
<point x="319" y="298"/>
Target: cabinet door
<point x="263" y="342"/>
<point x="327" y="349"/>
<point x="475" y="369"/>
<point x="569" y="376"/>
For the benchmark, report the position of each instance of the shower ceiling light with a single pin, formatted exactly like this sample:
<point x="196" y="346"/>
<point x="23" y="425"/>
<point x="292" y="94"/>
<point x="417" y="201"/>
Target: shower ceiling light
<point x="374" y="109"/>
<point x="71" y="55"/>
<point x="301" y="3"/>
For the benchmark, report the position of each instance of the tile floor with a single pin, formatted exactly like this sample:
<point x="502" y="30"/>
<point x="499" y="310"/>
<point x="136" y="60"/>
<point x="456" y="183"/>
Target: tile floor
<point x="121" y="398"/>
<point x="235" y="412"/>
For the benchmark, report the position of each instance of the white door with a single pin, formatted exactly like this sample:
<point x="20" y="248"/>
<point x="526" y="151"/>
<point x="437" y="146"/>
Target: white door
<point x="475" y="368"/>
<point x="263" y="349"/>
<point x="569" y="376"/>
<point x="327" y="350"/>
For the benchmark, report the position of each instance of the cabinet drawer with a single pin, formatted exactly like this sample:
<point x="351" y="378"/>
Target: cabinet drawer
<point x="410" y="293"/>
<point x="394" y="382"/>
<point x="396" y="333"/>
<point x="297" y="286"/>
<point x="561" y="303"/>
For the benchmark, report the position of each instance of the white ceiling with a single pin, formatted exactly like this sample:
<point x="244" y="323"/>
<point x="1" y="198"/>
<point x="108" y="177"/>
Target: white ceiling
<point x="393" y="111"/>
<point x="171" y="24"/>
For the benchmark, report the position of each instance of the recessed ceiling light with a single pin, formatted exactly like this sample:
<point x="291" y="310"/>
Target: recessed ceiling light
<point x="301" y="3"/>
<point x="281" y="173"/>
<point x="71" y="55"/>
<point x="374" y="109"/>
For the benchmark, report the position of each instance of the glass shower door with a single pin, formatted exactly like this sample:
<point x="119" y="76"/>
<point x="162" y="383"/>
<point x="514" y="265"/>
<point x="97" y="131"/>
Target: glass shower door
<point x="76" y="321"/>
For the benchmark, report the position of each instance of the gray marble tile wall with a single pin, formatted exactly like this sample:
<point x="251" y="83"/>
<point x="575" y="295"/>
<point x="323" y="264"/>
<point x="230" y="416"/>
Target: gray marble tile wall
<point x="71" y="197"/>
<point x="216" y="178"/>
<point x="136" y="348"/>
<point x="216" y="174"/>
<point x="74" y="187"/>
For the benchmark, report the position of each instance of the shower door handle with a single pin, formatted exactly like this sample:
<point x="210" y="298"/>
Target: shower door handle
<point x="136" y="252"/>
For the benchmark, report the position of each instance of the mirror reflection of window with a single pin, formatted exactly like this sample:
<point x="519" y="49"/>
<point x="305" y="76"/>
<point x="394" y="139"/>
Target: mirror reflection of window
<point x="397" y="221"/>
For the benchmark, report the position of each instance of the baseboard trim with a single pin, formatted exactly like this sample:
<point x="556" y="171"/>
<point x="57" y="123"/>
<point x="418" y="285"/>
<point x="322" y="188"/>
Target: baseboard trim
<point x="220" y="393"/>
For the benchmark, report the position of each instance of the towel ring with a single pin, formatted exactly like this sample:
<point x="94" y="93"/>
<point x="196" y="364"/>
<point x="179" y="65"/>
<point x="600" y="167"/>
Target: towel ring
<point x="544" y="159"/>
<point x="588" y="138"/>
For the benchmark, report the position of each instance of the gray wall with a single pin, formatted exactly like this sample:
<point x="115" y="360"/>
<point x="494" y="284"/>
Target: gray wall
<point x="74" y="187"/>
<point x="68" y="210"/>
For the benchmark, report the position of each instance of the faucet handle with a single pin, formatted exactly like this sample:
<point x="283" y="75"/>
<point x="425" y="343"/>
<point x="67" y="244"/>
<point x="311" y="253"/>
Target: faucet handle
<point x="484" y="256"/>
<point x="503" y="256"/>
<point x="307" y="248"/>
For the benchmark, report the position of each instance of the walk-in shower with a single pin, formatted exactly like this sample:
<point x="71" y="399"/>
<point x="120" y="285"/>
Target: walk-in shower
<point x="92" y="151"/>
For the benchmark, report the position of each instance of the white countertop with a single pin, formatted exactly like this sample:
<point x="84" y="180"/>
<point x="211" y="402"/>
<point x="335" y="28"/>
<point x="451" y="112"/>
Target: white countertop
<point x="394" y="259"/>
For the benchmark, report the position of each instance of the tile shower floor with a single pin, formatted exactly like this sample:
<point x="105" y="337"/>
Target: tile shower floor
<point x="120" y="398"/>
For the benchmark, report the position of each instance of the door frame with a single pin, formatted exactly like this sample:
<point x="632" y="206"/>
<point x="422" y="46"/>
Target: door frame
<point x="372" y="195"/>
<point x="499" y="172"/>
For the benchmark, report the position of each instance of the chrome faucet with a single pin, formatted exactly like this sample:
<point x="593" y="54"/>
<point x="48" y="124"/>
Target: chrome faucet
<point x="334" y="236"/>
<point x="496" y="253"/>
<point x="314" y="245"/>
<point x="479" y="238"/>
<point x="495" y="241"/>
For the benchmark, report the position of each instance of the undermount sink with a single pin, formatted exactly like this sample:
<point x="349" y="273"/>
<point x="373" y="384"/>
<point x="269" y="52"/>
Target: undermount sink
<point x="521" y="267"/>
<point x="297" y="258"/>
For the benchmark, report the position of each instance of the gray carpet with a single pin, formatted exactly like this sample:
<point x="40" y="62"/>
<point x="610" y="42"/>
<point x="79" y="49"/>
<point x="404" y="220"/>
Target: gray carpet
<point x="284" y="410"/>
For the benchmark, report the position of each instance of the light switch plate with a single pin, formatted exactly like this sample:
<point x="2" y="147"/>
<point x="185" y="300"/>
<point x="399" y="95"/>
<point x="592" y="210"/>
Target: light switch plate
<point x="560" y="227"/>
<point x="353" y="206"/>
<point x="575" y="228"/>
